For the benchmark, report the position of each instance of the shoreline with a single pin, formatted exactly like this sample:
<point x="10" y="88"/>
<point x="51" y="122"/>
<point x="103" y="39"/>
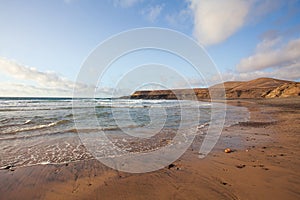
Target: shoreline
<point x="264" y="166"/>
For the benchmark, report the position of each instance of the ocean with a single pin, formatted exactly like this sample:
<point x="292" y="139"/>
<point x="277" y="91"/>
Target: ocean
<point x="46" y="130"/>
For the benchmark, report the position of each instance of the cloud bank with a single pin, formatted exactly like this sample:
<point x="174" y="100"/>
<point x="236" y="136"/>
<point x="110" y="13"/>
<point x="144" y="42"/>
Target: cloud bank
<point x="289" y="72"/>
<point x="267" y="57"/>
<point x="8" y="89"/>
<point x="44" y="79"/>
<point x="28" y="81"/>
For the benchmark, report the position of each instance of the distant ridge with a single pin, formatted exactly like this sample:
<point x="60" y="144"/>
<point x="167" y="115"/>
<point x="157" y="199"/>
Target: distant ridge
<point x="257" y="88"/>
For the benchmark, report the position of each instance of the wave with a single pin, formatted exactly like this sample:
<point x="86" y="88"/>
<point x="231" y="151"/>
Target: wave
<point x="6" y="123"/>
<point x="39" y="135"/>
<point x="5" y="120"/>
<point x="103" y="103"/>
<point x="28" y="121"/>
<point x="30" y="108"/>
<point x="37" y="127"/>
<point x="67" y="131"/>
<point x="137" y="106"/>
<point x="69" y="116"/>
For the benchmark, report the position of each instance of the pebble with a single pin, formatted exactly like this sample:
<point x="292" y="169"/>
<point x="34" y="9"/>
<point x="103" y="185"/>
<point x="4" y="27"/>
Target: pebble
<point x="171" y="166"/>
<point x="227" y="150"/>
<point x="240" y="166"/>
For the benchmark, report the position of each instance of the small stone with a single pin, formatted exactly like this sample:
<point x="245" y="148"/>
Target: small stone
<point x="171" y="166"/>
<point x="224" y="183"/>
<point x="240" y="166"/>
<point x="227" y="150"/>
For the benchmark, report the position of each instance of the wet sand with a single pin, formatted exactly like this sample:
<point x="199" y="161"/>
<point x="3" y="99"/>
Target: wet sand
<point x="264" y="165"/>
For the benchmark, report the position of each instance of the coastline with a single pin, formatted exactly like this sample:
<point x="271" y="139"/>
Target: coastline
<point x="264" y="165"/>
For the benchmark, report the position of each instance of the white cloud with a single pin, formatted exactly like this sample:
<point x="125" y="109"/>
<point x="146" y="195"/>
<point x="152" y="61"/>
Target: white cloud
<point x="44" y="79"/>
<point x="268" y="44"/>
<point x="216" y="20"/>
<point x="268" y="57"/>
<point x="152" y="12"/>
<point x="126" y="3"/>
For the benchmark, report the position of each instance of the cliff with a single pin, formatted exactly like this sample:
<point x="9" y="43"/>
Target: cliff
<point x="258" y="88"/>
<point x="172" y="94"/>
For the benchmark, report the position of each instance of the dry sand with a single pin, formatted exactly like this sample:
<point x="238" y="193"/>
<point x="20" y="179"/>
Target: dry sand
<point x="264" y="165"/>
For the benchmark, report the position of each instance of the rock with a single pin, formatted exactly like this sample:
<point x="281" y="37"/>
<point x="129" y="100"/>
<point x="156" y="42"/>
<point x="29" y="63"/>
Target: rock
<point x="223" y="182"/>
<point x="171" y="166"/>
<point x="175" y="166"/>
<point x="227" y="150"/>
<point x="240" y="166"/>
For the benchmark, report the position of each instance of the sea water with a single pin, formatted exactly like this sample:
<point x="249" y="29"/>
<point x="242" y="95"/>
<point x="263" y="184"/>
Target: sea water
<point x="45" y="130"/>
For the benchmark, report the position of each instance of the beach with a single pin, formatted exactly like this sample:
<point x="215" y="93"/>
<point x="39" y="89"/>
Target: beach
<point x="150" y="100"/>
<point x="264" y="164"/>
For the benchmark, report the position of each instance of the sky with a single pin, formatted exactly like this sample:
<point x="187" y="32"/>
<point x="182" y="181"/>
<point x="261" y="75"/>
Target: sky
<point x="43" y="44"/>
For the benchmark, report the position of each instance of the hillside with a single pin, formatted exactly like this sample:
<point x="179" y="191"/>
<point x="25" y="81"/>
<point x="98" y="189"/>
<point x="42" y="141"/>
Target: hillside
<point x="258" y="88"/>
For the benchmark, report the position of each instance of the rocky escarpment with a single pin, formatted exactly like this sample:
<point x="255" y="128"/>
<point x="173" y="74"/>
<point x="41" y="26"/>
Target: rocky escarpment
<point x="258" y="88"/>
<point x="286" y="90"/>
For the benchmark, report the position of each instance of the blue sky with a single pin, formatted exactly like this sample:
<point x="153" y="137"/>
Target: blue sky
<point x="44" y="43"/>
